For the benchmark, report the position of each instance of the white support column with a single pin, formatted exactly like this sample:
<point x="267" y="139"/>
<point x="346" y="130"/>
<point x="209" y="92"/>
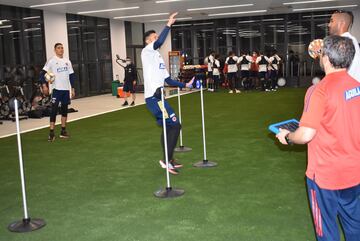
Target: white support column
<point x="355" y="30"/>
<point x="118" y="45"/>
<point x="55" y="32"/>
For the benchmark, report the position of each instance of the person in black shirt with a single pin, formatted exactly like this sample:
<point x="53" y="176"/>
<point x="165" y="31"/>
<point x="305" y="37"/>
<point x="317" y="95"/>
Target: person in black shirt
<point x="129" y="81"/>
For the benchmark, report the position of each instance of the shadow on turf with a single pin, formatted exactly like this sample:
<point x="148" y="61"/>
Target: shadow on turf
<point x="293" y="148"/>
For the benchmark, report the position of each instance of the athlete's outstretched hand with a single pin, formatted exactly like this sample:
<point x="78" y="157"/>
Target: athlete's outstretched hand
<point x="190" y="83"/>
<point x="172" y="19"/>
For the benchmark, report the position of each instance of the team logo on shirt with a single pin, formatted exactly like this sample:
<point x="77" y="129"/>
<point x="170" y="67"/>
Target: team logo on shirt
<point x="350" y="94"/>
<point x="161" y="66"/>
<point x="62" y="69"/>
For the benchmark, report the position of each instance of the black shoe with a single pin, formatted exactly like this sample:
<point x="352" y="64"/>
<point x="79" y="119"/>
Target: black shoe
<point x="125" y="103"/>
<point x="51" y="137"/>
<point x="132" y="103"/>
<point x="64" y="135"/>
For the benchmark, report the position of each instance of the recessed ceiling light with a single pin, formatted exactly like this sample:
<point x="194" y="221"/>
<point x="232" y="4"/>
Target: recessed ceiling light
<point x="315" y="16"/>
<point x="164" y="20"/>
<point x="142" y="15"/>
<point x="272" y="19"/>
<point x="108" y="10"/>
<point x="168" y="1"/>
<point x="32" y="17"/>
<point x="304" y="2"/>
<point x="328" y="7"/>
<point x="207" y="23"/>
<point x="220" y="7"/>
<point x="247" y="21"/>
<point x="182" y="25"/>
<point x="59" y="3"/>
<point x="236" y="13"/>
<point x="6" y="26"/>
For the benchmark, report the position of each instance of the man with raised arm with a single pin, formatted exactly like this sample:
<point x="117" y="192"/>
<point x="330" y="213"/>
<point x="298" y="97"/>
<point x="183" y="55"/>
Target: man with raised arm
<point x="155" y="74"/>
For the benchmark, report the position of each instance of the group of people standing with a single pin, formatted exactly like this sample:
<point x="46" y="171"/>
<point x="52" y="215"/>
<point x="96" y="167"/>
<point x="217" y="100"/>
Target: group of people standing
<point x="247" y="71"/>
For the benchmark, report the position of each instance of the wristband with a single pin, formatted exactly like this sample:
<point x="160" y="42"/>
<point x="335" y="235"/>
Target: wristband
<point x="287" y="139"/>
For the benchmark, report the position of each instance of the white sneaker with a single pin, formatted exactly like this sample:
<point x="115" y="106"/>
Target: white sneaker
<point x="230" y="92"/>
<point x="171" y="168"/>
<point x="163" y="165"/>
<point x="237" y="91"/>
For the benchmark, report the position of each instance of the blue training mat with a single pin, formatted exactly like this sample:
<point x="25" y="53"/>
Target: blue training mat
<point x="290" y="125"/>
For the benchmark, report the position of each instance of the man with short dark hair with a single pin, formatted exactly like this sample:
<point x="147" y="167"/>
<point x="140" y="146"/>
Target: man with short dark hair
<point x="155" y="73"/>
<point x="340" y="24"/>
<point x="129" y="80"/>
<point x="330" y="125"/>
<point x="231" y="62"/>
<point x="61" y="86"/>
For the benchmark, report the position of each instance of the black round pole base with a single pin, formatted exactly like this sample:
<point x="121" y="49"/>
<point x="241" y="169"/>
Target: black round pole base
<point x="182" y="149"/>
<point x="26" y="225"/>
<point x="169" y="192"/>
<point x="205" y="164"/>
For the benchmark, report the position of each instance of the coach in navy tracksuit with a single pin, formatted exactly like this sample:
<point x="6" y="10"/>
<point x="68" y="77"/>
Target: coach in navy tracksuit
<point x="155" y="74"/>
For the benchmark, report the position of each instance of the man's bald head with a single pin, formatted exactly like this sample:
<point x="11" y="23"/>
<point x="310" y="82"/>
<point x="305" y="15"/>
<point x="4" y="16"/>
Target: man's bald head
<point x="340" y="22"/>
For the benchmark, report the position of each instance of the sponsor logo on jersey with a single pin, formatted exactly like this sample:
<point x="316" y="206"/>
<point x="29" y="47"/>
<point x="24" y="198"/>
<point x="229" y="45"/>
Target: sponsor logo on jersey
<point x="62" y="69"/>
<point x="350" y="94"/>
<point x="161" y="66"/>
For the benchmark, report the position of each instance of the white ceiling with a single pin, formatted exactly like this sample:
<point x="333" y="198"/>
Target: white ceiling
<point x="151" y="7"/>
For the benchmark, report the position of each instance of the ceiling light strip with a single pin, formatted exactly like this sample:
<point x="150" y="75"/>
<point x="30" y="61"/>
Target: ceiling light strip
<point x="142" y="15"/>
<point x="168" y="1"/>
<point x="329" y="7"/>
<point x="164" y="20"/>
<point x="59" y="3"/>
<point x="108" y="10"/>
<point x="305" y="2"/>
<point x="220" y="7"/>
<point x="236" y="13"/>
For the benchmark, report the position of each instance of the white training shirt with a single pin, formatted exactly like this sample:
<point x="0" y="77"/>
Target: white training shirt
<point x="262" y="67"/>
<point x="61" y="68"/>
<point x="354" y="70"/>
<point x="216" y="67"/>
<point x="154" y="70"/>
<point x="210" y="63"/>
<point x="232" y="68"/>
<point x="271" y="60"/>
<point x="245" y="66"/>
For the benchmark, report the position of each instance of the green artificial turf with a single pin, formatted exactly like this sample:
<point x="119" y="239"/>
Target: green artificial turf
<point x="99" y="184"/>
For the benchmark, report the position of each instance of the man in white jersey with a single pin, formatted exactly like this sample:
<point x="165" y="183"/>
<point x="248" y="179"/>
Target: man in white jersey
<point x="263" y="62"/>
<point x="340" y="24"/>
<point x="274" y="62"/>
<point x="231" y="62"/>
<point x="62" y="88"/>
<point x="155" y="73"/>
<point x="244" y="62"/>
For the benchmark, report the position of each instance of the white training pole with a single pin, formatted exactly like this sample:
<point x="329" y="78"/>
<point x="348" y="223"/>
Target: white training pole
<point x="165" y="138"/>
<point x="179" y="103"/>
<point x="205" y="162"/>
<point x="203" y="119"/>
<point x="21" y="160"/>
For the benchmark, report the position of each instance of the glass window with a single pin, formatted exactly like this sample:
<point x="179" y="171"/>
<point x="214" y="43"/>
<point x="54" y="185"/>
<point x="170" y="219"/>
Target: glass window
<point x="90" y="51"/>
<point x="22" y="46"/>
